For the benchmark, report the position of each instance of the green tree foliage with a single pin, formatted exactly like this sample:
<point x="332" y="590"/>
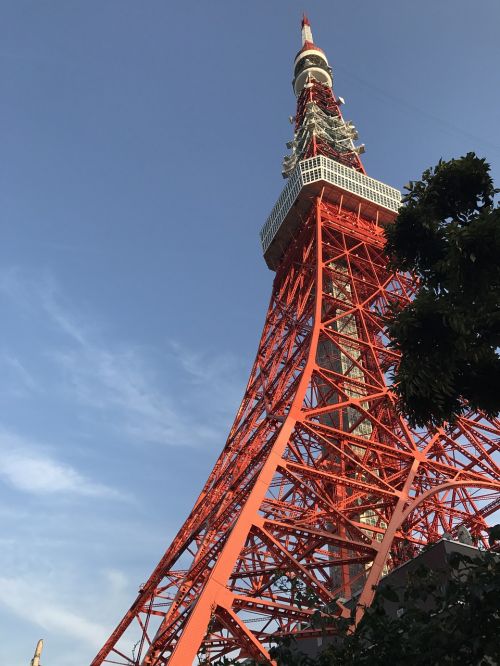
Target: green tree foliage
<point x="448" y="235"/>
<point x="452" y="619"/>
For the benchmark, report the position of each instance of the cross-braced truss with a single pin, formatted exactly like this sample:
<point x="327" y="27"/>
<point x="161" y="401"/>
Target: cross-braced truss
<point x="321" y="485"/>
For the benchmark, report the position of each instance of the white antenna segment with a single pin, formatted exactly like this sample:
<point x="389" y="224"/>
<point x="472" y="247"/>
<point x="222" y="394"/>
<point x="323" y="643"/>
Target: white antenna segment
<point x="38" y="653"/>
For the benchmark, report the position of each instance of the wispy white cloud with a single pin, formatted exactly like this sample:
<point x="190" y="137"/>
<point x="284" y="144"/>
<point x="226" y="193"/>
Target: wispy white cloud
<point x="10" y="281"/>
<point x="18" y="381"/>
<point x="24" y="466"/>
<point x="121" y="382"/>
<point x="122" y="387"/>
<point x="118" y="381"/>
<point x="40" y="292"/>
<point x="112" y="379"/>
<point x="49" y="299"/>
<point x="84" y="380"/>
<point x="33" y="601"/>
<point x="220" y="370"/>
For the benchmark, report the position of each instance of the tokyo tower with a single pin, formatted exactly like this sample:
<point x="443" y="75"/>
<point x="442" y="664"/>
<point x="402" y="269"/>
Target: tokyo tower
<point x="321" y="484"/>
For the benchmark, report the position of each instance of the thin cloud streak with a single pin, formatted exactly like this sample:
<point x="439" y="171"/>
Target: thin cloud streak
<point x="32" y="601"/>
<point x="19" y="382"/>
<point x="25" y="467"/>
<point x="118" y="383"/>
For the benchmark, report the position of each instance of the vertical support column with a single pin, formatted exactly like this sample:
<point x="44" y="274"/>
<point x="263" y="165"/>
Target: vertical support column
<point x="368" y="593"/>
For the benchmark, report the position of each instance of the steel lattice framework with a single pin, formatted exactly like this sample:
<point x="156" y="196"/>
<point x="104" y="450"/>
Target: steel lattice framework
<point x="320" y="481"/>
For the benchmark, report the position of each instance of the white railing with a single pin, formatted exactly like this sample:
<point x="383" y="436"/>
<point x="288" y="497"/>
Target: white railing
<point x="321" y="168"/>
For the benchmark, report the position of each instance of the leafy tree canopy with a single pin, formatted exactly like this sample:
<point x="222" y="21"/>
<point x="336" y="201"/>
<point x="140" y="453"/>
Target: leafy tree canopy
<point x="448" y="235"/>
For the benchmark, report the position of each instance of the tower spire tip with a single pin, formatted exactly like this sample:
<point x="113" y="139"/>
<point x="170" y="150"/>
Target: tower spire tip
<point x="306" y="30"/>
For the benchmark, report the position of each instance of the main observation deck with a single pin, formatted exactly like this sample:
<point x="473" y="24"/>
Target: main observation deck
<point x="379" y="202"/>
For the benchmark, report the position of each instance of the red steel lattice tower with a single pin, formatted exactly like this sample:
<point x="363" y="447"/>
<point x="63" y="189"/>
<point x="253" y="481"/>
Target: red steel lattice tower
<point x="321" y="481"/>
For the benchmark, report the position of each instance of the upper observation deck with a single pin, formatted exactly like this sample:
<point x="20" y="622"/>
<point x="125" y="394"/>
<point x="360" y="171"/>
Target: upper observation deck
<point x="340" y="184"/>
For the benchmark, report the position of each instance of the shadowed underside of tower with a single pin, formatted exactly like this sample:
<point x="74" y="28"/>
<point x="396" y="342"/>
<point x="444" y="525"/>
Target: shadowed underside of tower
<point x="322" y="486"/>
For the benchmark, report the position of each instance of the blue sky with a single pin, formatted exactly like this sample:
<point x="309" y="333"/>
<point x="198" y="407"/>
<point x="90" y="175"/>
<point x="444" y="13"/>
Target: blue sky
<point x="141" y="150"/>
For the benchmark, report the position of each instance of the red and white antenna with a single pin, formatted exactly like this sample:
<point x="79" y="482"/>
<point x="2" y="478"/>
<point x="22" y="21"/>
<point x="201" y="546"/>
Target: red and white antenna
<point x="319" y="126"/>
<point x="306" y="31"/>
